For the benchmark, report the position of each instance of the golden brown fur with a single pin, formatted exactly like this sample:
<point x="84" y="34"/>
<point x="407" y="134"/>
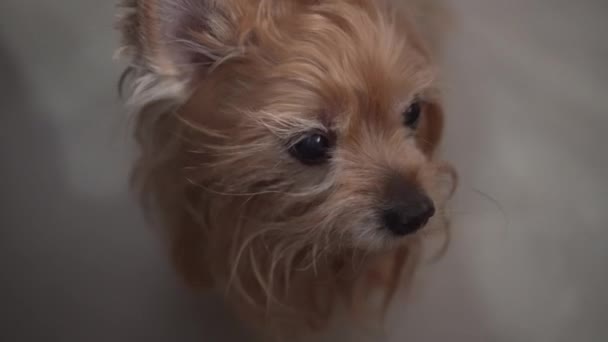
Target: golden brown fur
<point x="221" y="88"/>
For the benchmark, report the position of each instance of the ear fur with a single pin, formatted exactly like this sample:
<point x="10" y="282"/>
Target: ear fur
<point x="169" y="42"/>
<point x="166" y="43"/>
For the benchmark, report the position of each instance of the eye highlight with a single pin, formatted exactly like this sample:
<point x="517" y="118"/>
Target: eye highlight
<point x="312" y="149"/>
<point x="413" y="113"/>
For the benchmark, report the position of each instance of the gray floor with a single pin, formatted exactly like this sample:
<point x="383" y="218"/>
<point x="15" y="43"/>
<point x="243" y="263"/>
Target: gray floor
<point x="526" y="86"/>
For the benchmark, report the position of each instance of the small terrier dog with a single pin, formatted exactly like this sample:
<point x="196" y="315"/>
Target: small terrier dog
<point x="288" y="147"/>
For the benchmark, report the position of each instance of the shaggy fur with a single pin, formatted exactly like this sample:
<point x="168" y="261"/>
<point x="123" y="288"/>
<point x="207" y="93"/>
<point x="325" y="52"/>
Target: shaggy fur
<point x="222" y="89"/>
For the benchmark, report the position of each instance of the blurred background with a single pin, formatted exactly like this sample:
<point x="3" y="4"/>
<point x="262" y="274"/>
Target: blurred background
<point x="526" y="84"/>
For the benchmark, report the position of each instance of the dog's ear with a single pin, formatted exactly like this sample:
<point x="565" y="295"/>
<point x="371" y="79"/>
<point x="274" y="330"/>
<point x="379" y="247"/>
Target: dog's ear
<point x="169" y="44"/>
<point x="173" y="41"/>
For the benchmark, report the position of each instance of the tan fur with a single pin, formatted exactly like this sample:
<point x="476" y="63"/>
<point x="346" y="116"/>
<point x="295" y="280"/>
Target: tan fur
<point x="221" y="88"/>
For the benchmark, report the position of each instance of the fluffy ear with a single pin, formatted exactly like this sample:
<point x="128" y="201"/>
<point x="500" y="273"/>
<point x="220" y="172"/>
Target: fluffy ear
<point x="169" y="42"/>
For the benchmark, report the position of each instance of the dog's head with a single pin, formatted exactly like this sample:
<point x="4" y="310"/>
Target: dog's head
<point x="308" y="125"/>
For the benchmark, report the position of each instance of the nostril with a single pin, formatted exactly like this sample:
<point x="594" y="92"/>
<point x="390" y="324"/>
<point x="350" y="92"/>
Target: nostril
<point x="393" y="221"/>
<point x="408" y="219"/>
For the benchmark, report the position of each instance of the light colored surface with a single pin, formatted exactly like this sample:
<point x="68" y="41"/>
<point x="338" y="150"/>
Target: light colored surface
<point x="526" y="86"/>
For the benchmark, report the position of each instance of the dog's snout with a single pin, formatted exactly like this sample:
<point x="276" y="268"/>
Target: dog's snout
<point x="407" y="208"/>
<point x="409" y="216"/>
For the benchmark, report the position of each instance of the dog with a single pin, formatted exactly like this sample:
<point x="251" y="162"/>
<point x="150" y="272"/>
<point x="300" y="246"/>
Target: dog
<point x="289" y="148"/>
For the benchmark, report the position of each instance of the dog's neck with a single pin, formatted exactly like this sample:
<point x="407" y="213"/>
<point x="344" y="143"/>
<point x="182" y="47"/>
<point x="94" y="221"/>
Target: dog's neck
<point x="304" y="296"/>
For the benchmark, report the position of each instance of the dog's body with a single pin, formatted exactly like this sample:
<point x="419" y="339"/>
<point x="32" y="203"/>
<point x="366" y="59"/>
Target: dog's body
<point x="288" y="146"/>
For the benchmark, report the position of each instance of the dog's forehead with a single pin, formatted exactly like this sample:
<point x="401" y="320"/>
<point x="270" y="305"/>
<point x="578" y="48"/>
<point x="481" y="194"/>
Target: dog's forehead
<point x="354" y="56"/>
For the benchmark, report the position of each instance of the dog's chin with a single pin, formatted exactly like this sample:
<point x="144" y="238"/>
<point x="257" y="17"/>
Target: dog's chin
<point x="379" y="240"/>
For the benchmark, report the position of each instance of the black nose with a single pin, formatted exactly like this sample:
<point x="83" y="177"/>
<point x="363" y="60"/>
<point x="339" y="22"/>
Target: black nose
<point x="408" y="216"/>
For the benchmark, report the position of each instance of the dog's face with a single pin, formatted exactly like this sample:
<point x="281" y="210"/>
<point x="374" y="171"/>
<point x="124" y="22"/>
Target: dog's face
<point x="313" y="122"/>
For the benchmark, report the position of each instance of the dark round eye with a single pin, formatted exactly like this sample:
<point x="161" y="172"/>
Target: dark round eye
<point x="311" y="149"/>
<point x="412" y="115"/>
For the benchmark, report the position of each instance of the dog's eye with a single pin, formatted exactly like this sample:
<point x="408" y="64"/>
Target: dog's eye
<point x="311" y="149"/>
<point x="412" y="114"/>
